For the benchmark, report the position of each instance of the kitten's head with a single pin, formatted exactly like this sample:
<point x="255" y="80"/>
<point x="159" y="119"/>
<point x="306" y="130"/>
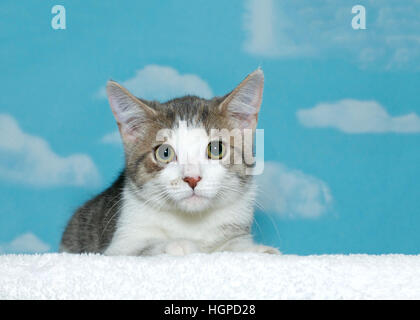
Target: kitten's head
<point x="188" y="154"/>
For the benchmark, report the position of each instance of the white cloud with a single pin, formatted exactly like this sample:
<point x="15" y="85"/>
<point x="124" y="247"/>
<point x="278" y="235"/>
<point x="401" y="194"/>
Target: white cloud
<point x="354" y="116"/>
<point x="25" y="243"/>
<point x="112" y="138"/>
<point x="290" y="28"/>
<point x="291" y="193"/>
<point x="29" y="160"/>
<point x="259" y="23"/>
<point x="268" y="30"/>
<point x="155" y="82"/>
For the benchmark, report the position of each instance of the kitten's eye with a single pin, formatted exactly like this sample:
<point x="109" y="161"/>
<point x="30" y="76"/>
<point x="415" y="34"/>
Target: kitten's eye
<point x="165" y="153"/>
<point x="216" y="150"/>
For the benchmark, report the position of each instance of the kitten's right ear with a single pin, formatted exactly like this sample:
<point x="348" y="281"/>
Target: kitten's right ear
<point x="131" y="113"/>
<point x="243" y="103"/>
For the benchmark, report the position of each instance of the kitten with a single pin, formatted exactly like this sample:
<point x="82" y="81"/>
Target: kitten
<point x="180" y="191"/>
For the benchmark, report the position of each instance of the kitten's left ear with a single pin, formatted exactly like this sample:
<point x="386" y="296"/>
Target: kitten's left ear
<point x="243" y="103"/>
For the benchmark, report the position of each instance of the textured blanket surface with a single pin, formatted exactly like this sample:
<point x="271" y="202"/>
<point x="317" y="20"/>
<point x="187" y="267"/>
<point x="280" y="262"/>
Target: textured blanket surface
<point x="210" y="276"/>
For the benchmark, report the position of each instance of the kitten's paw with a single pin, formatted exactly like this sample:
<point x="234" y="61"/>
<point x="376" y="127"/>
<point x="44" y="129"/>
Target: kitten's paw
<point x="181" y="248"/>
<point x="265" y="249"/>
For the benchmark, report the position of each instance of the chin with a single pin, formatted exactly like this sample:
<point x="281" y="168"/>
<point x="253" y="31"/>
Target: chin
<point x="194" y="204"/>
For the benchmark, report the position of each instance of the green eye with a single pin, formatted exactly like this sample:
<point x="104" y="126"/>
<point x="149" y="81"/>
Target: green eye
<point x="216" y="150"/>
<point x="165" y="153"/>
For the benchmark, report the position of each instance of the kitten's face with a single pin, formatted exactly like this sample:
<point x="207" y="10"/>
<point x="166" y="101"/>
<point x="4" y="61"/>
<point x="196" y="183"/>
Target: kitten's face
<point x="176" y="155"/>
<point x="191" y="181"/>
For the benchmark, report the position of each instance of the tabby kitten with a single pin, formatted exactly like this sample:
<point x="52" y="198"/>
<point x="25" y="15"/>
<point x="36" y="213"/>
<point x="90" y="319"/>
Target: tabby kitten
<point x="180" y="191"/>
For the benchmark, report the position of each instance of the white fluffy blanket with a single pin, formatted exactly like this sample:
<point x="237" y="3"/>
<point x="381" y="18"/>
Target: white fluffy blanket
<point x="210" y="276"/>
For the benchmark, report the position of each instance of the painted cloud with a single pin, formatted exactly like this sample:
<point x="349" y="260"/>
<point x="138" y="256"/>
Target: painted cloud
<point x="25" y="243"/>
<point x="291" y="193"/>
<point x="287" y="29"/>
<point x="355" y="116"/>
<point x="28" y="159"/>
<point x="155" y="82"/>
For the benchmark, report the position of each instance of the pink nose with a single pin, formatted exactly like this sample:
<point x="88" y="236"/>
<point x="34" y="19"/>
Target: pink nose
<point x="192" y="181"/>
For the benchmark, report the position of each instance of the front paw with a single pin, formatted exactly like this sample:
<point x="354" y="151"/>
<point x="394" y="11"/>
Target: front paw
<point x="181" y="248"/>
<point x="264" y="249"/>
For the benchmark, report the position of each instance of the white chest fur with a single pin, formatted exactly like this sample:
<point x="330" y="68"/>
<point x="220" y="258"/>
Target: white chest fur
<point x="139" y="224"/>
